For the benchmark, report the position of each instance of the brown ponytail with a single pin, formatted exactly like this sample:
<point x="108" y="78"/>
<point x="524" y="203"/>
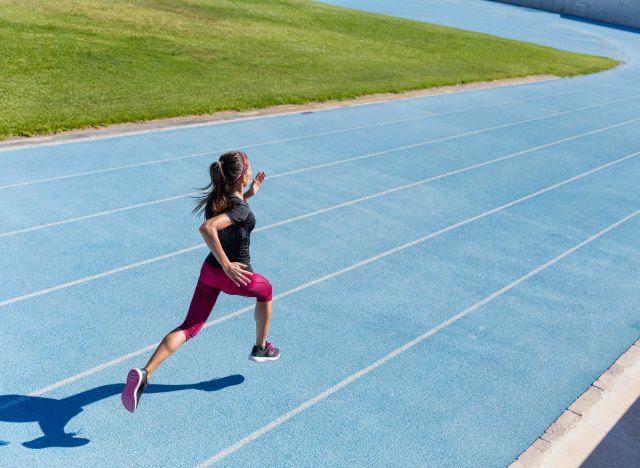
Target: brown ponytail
<point x="223" y="173"/>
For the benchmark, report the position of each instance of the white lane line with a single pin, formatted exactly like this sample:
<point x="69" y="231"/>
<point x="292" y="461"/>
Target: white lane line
<point x="268" y="226"/>
<point x="99" y="275"/>
<point x="94" y="215"/>
<point x="318" y="166"/>
<point x="324" y="278"/>
<point x="629" y="85"/>
<point x="17" y="148"/>
<point x="410" y="344"/>
<point x="428" y="142"/>
<point x="301" y="111"/>
<point x="250" y="118"/>
<point x="290" y="220"/>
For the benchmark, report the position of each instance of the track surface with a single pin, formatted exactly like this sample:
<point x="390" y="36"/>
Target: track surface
<point x="449" y="273"/>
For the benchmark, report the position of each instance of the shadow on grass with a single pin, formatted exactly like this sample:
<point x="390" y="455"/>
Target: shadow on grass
<point x="53" y="415"/>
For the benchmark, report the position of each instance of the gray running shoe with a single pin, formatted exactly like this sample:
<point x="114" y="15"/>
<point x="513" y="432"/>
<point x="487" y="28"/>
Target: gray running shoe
<point x="268" y="353"/>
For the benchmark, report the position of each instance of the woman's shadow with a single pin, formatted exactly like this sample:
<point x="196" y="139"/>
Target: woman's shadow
<point x="53" y="415"/>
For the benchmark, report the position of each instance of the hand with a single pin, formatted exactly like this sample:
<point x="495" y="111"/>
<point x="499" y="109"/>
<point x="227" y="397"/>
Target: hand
<point x="255" y="185"/>
<point x="236" y="271"/>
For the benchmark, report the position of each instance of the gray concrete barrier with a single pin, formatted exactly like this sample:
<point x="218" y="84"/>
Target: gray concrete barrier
<point x="620" y="12"/>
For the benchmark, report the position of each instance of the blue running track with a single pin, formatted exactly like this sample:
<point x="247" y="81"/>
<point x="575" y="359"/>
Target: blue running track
<point x="450" y="272"/>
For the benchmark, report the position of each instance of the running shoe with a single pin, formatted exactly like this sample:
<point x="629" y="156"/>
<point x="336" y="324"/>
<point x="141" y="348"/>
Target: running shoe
<point x="268" y="353"/>
<point x="136" y="383"/>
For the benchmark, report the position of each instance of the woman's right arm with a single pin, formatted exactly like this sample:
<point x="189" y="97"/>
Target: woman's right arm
<point x="209" y="231"/>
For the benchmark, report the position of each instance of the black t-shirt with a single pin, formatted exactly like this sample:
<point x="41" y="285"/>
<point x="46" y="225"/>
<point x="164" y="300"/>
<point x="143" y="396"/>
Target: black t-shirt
<point x="235" y="238"/>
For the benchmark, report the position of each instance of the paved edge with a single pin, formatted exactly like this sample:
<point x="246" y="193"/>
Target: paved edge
<point x="571" y="438"/>
<point x="230" y="116"/>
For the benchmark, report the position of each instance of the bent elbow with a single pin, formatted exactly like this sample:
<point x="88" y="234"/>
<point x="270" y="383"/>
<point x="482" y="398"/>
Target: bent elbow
<point x="205" y="229"/>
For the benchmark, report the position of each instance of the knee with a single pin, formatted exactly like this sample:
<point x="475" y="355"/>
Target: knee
<point x="265" y="292"/>
<point x="190" y="332"/>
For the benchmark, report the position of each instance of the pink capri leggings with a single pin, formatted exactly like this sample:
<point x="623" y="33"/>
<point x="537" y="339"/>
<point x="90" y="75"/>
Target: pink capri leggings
<point x="212" y="280"/>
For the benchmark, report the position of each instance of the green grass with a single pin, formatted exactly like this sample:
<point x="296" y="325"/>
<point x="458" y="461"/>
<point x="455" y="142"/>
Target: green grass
<point x="75" y="63"/>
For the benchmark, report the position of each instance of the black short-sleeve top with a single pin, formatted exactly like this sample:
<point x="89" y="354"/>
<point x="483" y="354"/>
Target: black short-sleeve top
<point x="235" y="239"/>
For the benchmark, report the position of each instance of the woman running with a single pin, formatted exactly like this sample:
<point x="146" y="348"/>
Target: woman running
<point x="226" y="230"/>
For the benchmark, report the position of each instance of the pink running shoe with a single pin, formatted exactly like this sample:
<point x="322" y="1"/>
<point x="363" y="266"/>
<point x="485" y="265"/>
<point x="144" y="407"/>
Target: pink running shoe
<point x="136" y="383"/>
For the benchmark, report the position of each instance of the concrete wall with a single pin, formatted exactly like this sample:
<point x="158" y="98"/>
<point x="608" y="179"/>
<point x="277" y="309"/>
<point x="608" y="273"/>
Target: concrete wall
<point x="622" y="12"/>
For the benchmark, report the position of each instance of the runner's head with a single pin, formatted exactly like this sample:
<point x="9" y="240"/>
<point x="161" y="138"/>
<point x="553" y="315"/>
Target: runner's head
<point x="233" y="169"/>
<point x="230" y="173"/>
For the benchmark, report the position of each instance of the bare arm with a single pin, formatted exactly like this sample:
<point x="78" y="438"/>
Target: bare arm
<point x="209" y="231"/>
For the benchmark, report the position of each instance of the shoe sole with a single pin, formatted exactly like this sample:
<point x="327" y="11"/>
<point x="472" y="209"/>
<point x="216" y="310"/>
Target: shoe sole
<point x="263" y="359"/>
<point x="130" y="392"/>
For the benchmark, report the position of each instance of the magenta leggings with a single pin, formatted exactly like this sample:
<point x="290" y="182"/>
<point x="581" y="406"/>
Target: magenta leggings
<point x="212" y="280"/>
